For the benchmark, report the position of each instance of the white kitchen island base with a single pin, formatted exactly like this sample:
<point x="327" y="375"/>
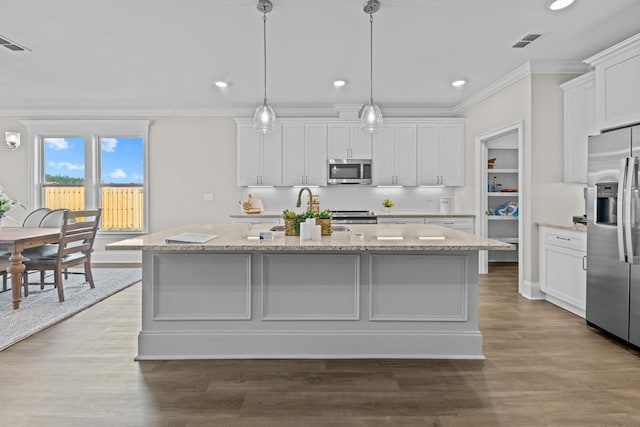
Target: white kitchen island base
<point x="318" y="304"/>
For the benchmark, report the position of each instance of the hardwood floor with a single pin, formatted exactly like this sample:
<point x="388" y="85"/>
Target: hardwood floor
<point x="544" y="366"/>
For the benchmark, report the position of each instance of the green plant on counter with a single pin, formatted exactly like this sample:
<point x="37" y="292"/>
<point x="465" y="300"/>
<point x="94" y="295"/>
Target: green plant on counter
<point x="388" y="203"/>
<point x="289" y="214"/>
<point x="325" y="214"/>
<point x="302" y="217"/>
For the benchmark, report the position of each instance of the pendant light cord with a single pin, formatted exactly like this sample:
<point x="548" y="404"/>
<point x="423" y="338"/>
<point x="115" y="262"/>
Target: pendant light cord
<point x="264" y="39"/>
<point x="371" y="54"/>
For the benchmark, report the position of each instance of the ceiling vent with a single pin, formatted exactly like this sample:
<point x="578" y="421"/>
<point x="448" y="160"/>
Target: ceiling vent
<point x="526" y="40"/>
<point x="5" y="42"/>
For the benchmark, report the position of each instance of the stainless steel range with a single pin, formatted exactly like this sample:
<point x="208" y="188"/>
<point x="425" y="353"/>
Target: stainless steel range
<point x="354" y="217"/>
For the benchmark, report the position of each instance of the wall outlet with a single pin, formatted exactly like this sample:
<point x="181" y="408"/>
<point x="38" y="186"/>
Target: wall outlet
<point x="208" y="197"/>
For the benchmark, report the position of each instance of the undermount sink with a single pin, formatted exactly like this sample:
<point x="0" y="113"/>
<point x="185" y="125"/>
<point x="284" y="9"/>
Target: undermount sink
<point x="335" y="228"/>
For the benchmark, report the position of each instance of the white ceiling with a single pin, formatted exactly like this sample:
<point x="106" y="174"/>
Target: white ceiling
<point x="166" y="54"/>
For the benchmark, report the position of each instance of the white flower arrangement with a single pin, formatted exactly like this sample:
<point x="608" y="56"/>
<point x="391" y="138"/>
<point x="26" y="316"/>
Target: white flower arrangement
<point x="7" y="204"/>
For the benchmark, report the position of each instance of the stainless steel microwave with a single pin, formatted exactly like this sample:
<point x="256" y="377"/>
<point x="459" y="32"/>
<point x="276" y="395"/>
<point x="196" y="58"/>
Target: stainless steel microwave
<point x="349" y="171"/>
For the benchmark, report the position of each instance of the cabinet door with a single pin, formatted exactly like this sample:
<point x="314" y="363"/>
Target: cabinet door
<point x="564" y="277"/>
<point x="579" y="124"/>
<point x="618" y="89"/>
<point x="338" y="141"/>
<point x="405" y="155"/>
<point x="293" y="154"/>
<point x="451" y="154"/>
<point x="249" y="156"/>
<point x="428" y="154"/>
<point x="316" y="154"/>
<point x="384" y="156"/>
<point x="360" y="143"/>
<point x="272" y="157"/>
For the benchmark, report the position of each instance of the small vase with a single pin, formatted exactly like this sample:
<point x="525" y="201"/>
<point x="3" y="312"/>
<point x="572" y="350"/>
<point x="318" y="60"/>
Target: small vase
<point x="387" y="210"/>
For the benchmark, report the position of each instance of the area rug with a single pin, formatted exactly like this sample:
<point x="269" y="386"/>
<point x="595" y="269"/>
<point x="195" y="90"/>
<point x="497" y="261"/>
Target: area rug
<point x="41" y="308"/>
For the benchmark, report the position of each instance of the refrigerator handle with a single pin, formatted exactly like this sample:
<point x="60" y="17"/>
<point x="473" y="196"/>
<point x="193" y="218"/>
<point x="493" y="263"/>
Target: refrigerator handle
<point x="628" y="199"/>
<point x="624" y="164"/>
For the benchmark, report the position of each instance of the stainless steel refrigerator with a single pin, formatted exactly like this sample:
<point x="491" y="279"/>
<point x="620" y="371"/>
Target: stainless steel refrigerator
<point x="613" y="229"/>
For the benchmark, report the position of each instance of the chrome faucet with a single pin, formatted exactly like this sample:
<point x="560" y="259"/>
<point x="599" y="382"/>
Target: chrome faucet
<point x="299" y="202"/>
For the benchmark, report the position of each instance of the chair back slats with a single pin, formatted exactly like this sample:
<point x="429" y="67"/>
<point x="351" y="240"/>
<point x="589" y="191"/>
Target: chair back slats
<point x="73" y="232"/>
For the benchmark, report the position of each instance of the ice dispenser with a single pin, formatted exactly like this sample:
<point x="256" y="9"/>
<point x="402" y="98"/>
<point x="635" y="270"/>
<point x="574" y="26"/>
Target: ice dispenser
<point x="607" y="203"/>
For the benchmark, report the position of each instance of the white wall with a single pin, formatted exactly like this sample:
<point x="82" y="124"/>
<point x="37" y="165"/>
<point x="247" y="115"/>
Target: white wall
<point x="13" y="164"/>
<point x="537" y="102"/>
<point x="551" y="199"/>
<point x="352" y="197"/>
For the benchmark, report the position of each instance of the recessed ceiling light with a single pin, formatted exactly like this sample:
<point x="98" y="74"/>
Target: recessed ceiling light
<point x="458" y="83"/>
<point x="559" y="4"/>
<point x="339" y="83"/>
<point x="220" y="83"/>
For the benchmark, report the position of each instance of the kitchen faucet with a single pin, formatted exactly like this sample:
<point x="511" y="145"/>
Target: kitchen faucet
<point x="299" y="202"/>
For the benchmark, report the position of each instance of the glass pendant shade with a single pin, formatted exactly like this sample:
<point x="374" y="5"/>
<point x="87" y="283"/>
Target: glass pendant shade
<point x="371" y="117"/>
<point x="264" y="119"/>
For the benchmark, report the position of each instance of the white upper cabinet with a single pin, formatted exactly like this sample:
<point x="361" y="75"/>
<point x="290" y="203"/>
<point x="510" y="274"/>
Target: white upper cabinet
<point x="579" y="124"/>
<point x="408" y="152"/>
<point x="440" y="153"/>
<point x="259" y="156"/>
<point x="348" y="141"/>
<point x="304" y="151"/>
<point x="617" y="84"/>
<point x="394" y="155"/>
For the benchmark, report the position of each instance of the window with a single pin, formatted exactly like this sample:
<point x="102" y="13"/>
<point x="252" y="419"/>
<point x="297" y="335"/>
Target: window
<point x="88" y="164"/>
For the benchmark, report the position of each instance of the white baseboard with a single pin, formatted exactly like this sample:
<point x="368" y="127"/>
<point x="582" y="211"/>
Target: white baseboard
<point x="168" y="345"/>
<point x="565" y="305"/>
<point x="531" y="290"/>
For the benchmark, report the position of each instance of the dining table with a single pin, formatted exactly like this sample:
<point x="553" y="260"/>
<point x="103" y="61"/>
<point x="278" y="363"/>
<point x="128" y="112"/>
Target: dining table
<point x="17" y="239"/>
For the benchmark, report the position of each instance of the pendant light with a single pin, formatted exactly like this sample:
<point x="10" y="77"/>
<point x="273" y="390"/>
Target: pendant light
<point x="370" y="114"/>
<point x="265" y="118"/>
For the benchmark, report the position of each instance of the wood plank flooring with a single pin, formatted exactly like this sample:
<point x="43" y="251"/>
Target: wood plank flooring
<point x="544" y="367"/>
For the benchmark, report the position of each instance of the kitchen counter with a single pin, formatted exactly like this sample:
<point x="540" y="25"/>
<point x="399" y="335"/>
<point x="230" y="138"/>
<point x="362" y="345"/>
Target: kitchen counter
<point x="565" y="226"/>
<point x="239" y="297"/>
<point x="381" y="214"/>
<point x="264" y="214"/>
<point x="244" y="237"/>
<point x="423" y="214"/>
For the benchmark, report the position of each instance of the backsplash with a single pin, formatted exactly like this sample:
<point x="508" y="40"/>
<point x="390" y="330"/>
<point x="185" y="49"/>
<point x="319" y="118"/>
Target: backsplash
<point x="352" y="197"/>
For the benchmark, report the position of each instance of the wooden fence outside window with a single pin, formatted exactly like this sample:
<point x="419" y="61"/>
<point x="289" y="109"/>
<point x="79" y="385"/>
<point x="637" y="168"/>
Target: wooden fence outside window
<point x="122" y="207"/>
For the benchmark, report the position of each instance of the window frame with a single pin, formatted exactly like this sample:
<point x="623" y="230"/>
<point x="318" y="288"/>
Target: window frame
<point x="91" y="131"/>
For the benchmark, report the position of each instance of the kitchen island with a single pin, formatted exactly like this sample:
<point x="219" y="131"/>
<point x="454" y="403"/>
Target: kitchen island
<point x="399" y="291"/>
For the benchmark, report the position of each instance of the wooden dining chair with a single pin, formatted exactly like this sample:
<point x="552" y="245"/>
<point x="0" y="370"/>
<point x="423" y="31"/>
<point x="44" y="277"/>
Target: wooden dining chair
<point x="77" y="235"/>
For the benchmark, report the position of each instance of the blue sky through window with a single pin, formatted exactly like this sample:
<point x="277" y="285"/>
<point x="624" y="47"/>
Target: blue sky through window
<point x="121" y="159"/>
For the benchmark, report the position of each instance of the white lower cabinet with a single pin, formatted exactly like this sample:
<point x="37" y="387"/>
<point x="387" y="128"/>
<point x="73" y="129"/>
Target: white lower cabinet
<point x="563" y="269"/>
<point x="460" y="224"/>
<point x="457" y="223"/>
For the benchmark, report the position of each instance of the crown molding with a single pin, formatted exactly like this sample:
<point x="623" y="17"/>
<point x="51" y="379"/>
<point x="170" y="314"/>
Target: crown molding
<point x="344" y="111"/>
<point x="519" y="73"/>
<point x="559" y="67"/>
<point x="589" y="77"/>
<point x="630" y="44"/>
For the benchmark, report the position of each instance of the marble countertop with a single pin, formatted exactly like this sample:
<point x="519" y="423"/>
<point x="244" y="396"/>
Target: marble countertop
<point x="423" y="214"/>
<point x="244" y="237"/>
<point x="565" y="226"/>
<point x="264" y="214"/>
<point x="393" y="214"/>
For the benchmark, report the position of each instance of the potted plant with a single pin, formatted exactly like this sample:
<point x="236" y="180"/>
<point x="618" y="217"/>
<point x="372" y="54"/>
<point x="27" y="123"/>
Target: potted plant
<point x="292" y="221"/>
<point x="388" y="204"/>
<point x="323" y="219"/>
